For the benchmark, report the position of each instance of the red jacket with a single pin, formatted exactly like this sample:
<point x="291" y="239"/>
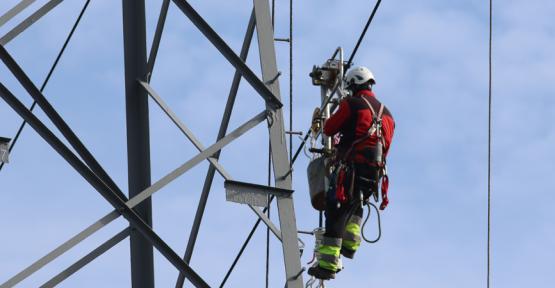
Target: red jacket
<point x="353" y="119"/>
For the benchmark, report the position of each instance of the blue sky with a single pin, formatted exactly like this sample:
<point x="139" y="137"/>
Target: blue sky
<point x="430" y="60"/>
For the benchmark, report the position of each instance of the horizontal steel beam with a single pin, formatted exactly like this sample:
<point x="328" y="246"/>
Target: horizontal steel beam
<point x="29" y="21"/>
<point x="271" y="99"/>
<point x="119" y="204"/>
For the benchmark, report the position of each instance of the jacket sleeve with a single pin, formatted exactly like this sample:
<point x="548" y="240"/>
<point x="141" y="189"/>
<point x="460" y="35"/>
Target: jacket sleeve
<point x="336" y="121"/>
<point x="389" y="130"/>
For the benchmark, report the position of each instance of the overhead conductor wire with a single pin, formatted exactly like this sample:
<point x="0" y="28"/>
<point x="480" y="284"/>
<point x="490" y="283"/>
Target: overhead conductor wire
<point x="47" y="79"/>
<point x="370" y="19"/>
<point x="489" y="140"/>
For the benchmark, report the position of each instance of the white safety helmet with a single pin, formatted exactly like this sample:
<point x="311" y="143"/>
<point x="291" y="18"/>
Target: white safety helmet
<point x="359" y="75"/>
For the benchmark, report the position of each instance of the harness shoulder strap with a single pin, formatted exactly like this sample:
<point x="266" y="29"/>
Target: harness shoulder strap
<point x="376" y="126"/>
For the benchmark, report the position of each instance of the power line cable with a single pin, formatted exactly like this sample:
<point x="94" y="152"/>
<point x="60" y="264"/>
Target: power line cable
<point x="490" y="96"/>
<point x="364" y="32"/>
<point x="268" y="213"/>
<point x="49" y="75"/>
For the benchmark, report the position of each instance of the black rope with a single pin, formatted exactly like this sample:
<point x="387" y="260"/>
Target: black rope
<point x="370" y="205"/>
<point x="489" y="140"/>
<point x="364" y="32"/>
<point x="47" y="79"/>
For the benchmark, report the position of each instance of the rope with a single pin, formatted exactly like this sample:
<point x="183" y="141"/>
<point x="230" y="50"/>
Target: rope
<point x="370" y="205"/>
<point x="49" y="75"/>
<point x="489" y="140"/>
<point x="364" y="32"/>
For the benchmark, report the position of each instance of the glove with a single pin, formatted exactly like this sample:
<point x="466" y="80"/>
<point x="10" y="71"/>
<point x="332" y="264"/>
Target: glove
<point x="316" y="121"/>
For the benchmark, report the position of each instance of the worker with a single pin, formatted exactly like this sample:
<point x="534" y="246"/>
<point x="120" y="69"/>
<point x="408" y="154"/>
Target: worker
<point x="364" y="128"/>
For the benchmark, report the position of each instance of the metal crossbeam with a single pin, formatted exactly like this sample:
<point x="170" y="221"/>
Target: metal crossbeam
<point x="189" y="134"/>
<point x="221" y="133"/>
<point x="107" y="219"/>
<point x="29" y="21"/>
<point x="186" y="131"/>
<point x="92" y="172"/>
<point x="100" y="186"/>
<point x="14" y="11"/>
<point x="272" y="101"/>
<point x="109" y="244"/>
<point x="60" y="250"/>
<point x="58" y="121"/>
<point x="157" y="37"/>
<point x="278" y="144"/>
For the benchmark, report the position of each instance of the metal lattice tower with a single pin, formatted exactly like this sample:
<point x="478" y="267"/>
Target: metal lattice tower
<point x="136" y="207"/>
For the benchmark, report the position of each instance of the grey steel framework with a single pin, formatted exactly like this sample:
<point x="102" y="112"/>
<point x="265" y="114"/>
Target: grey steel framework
<point x="137" y="207"/>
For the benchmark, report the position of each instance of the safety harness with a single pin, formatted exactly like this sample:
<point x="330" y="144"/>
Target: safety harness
<point x="377" y="158"/>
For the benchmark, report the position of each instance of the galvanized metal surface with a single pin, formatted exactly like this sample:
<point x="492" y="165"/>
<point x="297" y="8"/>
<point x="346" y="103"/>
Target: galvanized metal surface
<point x="100" y="186"/>
<point x="109" y="244"/>
<point x="252" y="194"/>
<point x="29" y="21"/>
<point x="14" y="11"/>
<point x="280" y="159"/>
<point x="258" y="85"/>
<point x="138" y="136"/>
<point x="186" y="131"/>
<point x="137" y="68"/>
<point x="221" y="133"/>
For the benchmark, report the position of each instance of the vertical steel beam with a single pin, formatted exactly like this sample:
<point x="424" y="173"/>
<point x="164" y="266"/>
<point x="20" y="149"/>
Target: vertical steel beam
<point x="138" y="142"/>
<point x="280" y="159"/>
<point x="221" y="134"/>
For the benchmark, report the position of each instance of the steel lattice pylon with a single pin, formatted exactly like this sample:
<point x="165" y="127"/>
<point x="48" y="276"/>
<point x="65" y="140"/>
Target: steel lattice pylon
<point x="137" y="208"/>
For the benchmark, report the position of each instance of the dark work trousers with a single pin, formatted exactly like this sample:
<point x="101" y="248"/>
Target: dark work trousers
<point x="366" y="180"/>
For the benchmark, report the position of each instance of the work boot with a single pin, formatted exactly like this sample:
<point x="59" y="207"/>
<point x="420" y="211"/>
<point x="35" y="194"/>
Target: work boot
<point x="328" y="259"/>
<point x="347" y="253"/>
<point x="321" y="273"/>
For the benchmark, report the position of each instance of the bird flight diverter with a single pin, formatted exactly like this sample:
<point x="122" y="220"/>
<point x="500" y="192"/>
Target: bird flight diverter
<point x="252" y="194"/>
<point x="4" y="149"/>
